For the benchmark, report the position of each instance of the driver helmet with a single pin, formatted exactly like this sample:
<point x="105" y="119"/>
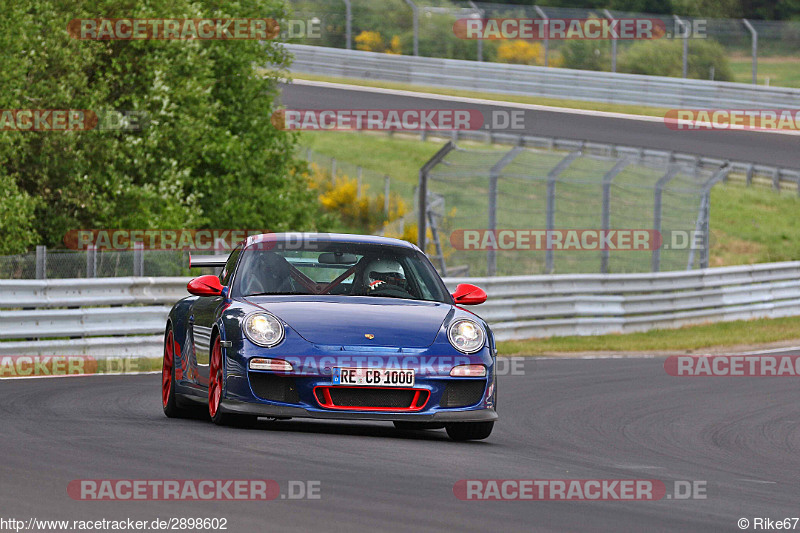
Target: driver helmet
<point x="382" y="273"/>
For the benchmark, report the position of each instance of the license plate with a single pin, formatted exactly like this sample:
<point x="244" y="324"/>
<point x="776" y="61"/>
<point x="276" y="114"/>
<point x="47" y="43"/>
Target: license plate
<point x="374" y="377"/>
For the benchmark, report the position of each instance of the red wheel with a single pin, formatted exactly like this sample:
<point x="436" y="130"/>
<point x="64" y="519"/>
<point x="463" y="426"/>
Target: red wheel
<point x="166" y="369"/>
<point x="168" y="394"/>
<point x="215" y="379"/>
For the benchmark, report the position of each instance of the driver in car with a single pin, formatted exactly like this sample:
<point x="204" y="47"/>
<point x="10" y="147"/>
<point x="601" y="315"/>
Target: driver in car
<point x="383" y="274"/>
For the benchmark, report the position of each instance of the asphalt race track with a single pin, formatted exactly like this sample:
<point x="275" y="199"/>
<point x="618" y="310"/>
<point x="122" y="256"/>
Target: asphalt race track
<point x="762" y="148"/>
<point x="562" y="419"/>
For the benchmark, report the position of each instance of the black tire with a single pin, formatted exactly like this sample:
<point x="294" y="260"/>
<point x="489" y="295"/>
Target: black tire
<point x="169" y="402"/>
<point x="469" y="430"/>
<point x="416" y="426"/>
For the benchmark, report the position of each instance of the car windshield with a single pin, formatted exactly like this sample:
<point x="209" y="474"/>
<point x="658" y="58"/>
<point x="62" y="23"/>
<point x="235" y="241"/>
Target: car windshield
<point x="346" y="269"/>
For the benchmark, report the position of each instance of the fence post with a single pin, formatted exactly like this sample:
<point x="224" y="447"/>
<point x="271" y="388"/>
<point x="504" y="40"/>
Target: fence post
<point x="359" y="170"/>
<point x="333" y="170"/>
<point x="91" y="261"/>
<point x="494" y="175"/>
<point x="606" y="216"/>
<point x="706" y="232"/>
<point x="704" y="216"/>
<point x="658" y="192"/>
<point x="41" y="262"/>
<point x="479" y="13"/>
<point x="422" y="191"/>
<point x="138" y="259"/>
<point x="415" y="13"/>
<point x="551" y="205"/>
<point x="754" y="35"/>
<point x="610" y="17"/>
<point x="348" y="14"/>
<point x="546" y="19"/>
<point x="685" y="36"/>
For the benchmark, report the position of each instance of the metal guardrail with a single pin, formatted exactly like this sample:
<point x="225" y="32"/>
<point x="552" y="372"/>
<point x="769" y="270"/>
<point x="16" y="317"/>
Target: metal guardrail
<point x="523" y="307"/>
<point x="539" y="81"/>
<point x="519" y="307"/>
<point x="101" y="317"/>
<point x="90" y="292"/>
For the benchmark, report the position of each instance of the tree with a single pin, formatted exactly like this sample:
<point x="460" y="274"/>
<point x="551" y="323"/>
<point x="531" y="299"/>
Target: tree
<point x="208" y="156"/>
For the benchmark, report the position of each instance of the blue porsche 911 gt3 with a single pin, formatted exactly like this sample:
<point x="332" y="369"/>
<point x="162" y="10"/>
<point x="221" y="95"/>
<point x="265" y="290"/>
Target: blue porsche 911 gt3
<point x="335" y="327"/>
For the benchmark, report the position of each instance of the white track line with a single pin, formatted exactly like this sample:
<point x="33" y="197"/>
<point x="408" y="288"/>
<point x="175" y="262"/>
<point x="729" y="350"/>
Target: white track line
<point x="601" y="356"/>
<point x="502" y="103"/>
<point x="773" y="350"/>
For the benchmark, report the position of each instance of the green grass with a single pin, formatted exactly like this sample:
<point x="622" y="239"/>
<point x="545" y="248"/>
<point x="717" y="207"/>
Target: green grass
<point x="781" y="71"/>
<point x="753" y="225"/>
<point x="724" y="334"/>
<point x="554" y="102"/>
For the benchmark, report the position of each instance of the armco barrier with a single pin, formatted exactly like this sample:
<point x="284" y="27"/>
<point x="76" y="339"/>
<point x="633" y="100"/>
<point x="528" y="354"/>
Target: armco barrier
<point x="126" y="316"/>
<point x="594" y="304"/>
<point x="98" y="317"/>
<point x="545" y="82"/>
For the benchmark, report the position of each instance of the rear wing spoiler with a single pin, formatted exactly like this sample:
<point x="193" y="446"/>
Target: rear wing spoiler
<point x="207" y="260"/>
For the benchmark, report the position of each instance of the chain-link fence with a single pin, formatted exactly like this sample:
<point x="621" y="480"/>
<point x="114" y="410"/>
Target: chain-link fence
<point x="426" y="28"/>
<point x="514" y="211"/>
<point x="62" y="264"/>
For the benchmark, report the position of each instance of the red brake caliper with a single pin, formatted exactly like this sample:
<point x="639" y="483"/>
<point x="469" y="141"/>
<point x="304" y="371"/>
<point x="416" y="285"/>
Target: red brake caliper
<point x="166" y="370"/>
<point x="215" y="379"/>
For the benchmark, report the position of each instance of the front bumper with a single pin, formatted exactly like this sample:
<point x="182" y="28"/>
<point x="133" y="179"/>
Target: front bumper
<point x="282" y="411"/>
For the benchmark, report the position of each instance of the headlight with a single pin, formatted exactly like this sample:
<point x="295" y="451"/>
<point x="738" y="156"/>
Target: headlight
<point x="263" y="329"/>
<point x="466" y="336"/>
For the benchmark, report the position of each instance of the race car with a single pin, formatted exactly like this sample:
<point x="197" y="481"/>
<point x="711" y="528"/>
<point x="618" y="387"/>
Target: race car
<point x="330" y="326"/>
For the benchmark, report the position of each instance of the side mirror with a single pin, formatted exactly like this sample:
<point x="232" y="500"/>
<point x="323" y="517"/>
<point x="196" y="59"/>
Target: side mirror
<point x="205" y="286"/>
<point x="467" y="294"/>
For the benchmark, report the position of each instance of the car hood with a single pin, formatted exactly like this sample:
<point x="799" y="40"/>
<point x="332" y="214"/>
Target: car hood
<point x="347" y="321"/>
